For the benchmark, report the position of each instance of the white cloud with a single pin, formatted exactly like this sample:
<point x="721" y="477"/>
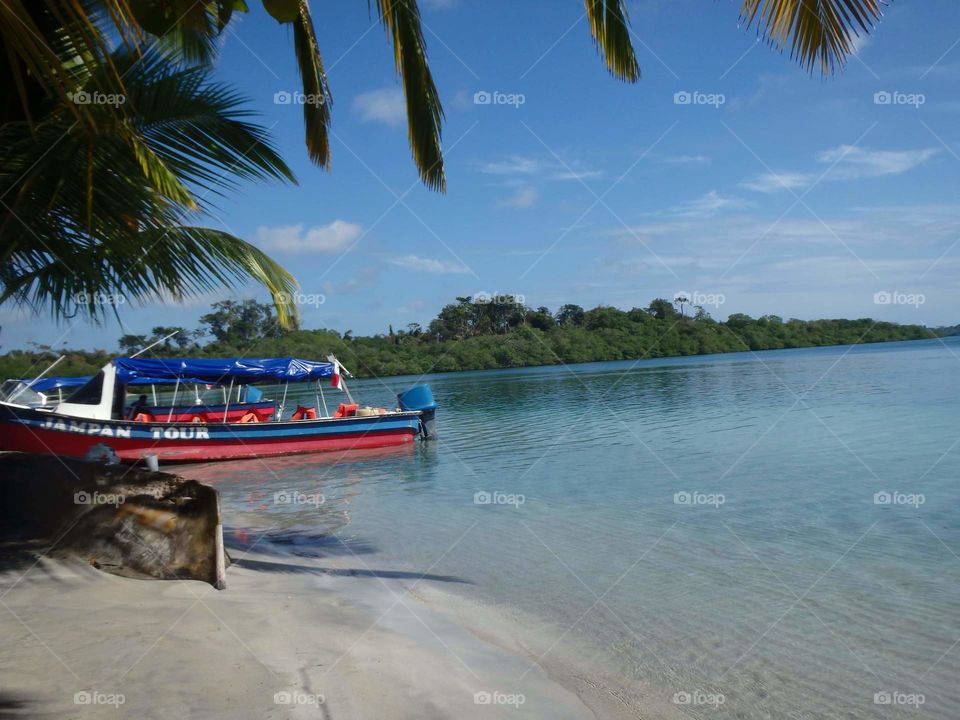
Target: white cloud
<point x="714" y="251"/>
<point x="385" y="105"/>
<point x="775" y="182"/>
<point x="513" y="165"/>
<point x="335" y="237"/>
<point x="799" y="267"/>
<point x="576" y="174"/>
<point x="685" y="160"/>
<point x="709" y="204"/>
<point x="524" y="197"/>
<point x="520" y="165"/>
<point x="854" y="162"/>
<point x="430" y="265"/>
<point x="846" y="162"/>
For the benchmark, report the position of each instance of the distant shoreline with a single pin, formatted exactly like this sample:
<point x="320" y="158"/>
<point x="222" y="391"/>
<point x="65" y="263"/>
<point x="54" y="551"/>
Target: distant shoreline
<point x="519" y="347"/>
<point x="668" y="357"/>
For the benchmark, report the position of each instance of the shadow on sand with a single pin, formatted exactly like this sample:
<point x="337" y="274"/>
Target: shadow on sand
<point x="13" y="706"/>
<point x="290" y="569"/>
<point x="303" y="543"/>
<point x="288" y="544"/>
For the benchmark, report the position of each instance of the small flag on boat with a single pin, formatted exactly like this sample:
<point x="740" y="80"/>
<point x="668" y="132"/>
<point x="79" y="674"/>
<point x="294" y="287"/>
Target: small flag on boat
<point x="335" y="378"/>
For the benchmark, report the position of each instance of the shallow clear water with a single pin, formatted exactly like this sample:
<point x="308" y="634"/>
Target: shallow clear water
<point x="784" y="585"/>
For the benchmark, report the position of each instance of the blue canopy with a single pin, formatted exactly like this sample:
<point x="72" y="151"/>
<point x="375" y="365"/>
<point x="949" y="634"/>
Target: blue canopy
<point x="43" y="385"/>
<point x="219" y="370"/>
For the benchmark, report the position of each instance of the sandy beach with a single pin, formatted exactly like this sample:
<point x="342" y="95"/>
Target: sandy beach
<point x="290" y="637"/>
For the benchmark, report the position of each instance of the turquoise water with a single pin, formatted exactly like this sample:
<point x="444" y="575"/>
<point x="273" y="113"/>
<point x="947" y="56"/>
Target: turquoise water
<point x="784" y="587"/>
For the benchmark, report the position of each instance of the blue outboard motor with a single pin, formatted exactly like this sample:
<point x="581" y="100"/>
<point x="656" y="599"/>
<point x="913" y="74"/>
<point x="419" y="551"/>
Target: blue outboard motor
<point x="420" y="398"/>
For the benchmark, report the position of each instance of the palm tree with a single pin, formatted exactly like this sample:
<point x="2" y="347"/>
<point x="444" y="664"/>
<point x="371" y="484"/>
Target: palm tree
<point x="91" y="219"/>
<point x="820" y="34"/>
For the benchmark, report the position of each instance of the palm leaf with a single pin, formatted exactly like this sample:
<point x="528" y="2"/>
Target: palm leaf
<point x="197" y="128"/>
<point x="104" y="215"/>
<point x="820" y="33"/>
<point x="401" y="18"/>
<point x="184" y="29"/>
<point x="316" y="108"/>
<point x="608" y="25"/>
<point x="48" y="42"/>
<point x="172" y="263"/>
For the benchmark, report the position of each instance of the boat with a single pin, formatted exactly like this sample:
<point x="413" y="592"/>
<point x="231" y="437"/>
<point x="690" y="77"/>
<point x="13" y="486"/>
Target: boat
<point x="249" y="426"/>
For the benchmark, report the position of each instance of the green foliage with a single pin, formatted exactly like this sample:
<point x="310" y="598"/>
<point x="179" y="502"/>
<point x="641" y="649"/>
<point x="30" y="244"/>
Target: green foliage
<point x="105" y="219"/>
<point x="471" y="335"/>
<point x="239" y="325"/>
<point x="662" y="309"/>
<point x="570" y="315"/>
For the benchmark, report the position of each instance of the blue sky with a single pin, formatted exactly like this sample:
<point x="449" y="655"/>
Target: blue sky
<point x="726" y="172"/>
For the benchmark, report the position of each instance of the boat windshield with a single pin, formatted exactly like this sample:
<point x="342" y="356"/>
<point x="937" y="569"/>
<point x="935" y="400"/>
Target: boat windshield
<point x="23" y="395"/>
<point x="90" y="393"/>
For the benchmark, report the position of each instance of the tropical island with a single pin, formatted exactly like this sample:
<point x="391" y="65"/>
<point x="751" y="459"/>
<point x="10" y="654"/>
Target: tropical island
<point x="481" y="333"/>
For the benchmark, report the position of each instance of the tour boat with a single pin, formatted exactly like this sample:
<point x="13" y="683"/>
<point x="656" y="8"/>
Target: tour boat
<point x="246" y="427"/>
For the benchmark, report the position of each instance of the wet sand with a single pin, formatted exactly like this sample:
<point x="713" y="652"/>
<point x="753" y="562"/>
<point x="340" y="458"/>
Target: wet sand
<point x="290" y="637"/>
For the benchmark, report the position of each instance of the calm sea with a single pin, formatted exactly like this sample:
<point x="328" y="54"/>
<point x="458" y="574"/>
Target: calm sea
<point x="768" y="535"/>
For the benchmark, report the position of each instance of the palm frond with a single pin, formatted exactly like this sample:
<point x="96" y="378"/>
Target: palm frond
<point x="610" y="29"/>
<point x="104" y="215"/>
<point x="198" y="128"/>
<point x="401" y="18"/>
<point x="317" y="98"/>
<point x="49" y="42"/>
<point x="183" y="29"/>
<point x="820" y="33"/>
<point x="196" y="259"/>
<point x="175" y="263"/>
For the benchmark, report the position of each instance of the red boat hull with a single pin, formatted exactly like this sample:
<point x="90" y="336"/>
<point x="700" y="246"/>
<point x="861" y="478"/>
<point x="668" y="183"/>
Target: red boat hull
<point x="26" y="430"/>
